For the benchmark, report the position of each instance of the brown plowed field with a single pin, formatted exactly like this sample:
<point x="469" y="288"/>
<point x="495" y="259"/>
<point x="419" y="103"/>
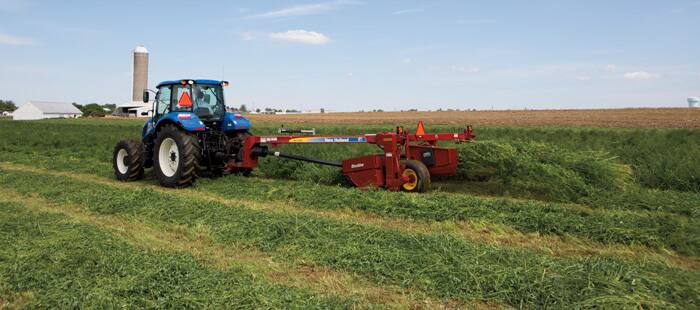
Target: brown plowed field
<point x="654" y="118"/>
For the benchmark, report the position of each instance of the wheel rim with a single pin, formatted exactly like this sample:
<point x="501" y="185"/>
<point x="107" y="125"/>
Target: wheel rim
<point x="168" y="157"/>
<point x="412" y="179"/>
<point x="122" y="165"/>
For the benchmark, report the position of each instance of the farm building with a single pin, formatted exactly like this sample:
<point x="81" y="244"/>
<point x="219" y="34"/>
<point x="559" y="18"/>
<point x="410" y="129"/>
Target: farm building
<point x="33" y="110"/>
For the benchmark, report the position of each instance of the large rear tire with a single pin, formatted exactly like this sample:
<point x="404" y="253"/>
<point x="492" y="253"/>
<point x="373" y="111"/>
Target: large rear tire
<point x="127" y="160"/>
<point x="176" y="157"/>
<point x="419" y="177"/>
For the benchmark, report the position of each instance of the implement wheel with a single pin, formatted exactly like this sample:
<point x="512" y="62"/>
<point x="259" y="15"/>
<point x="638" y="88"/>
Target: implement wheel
<point x="127" y="160"/>
<point x="176" y="157"/>
<point x="418" y="175"/>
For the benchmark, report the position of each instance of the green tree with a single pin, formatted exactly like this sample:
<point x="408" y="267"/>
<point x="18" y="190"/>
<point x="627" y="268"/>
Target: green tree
<point x="243" y="108"/>
<point x="7" y="105"/>
<point x="110" y="106"/>
<point x="93" y="109"/>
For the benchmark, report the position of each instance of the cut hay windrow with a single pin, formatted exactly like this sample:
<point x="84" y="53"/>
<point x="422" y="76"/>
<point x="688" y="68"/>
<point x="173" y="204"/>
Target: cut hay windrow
<point x="441" y="266"/>
<point x="654" y="229"/>
<point x="477" y="230"/>
<point x="196" y="241"/>
<point x="533" y="170"/>
<point x="48" y="260"/>
<point x="664" y="159"/>
<point x="539" y="170"/>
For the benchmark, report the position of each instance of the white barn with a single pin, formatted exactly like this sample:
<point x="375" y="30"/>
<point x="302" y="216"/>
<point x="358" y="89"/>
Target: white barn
<point x="33" y="110"/>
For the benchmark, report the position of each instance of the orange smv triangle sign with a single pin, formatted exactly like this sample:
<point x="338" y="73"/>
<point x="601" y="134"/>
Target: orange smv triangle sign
<point x="185" y="100"/>
<point x="420" y="130"/>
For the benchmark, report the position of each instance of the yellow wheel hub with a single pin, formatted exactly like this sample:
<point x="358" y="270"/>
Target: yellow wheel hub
<point x="412" y="179"/>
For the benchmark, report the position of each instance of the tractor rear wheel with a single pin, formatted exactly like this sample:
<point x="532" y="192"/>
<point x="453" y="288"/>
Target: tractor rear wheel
<point x="127" y="160"/>
<point x="176" y="157"/>
<point x="418" y="176"/>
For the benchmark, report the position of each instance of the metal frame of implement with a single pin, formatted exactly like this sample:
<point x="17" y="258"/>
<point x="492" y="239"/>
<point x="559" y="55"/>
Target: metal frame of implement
<point x="378" y="170"/>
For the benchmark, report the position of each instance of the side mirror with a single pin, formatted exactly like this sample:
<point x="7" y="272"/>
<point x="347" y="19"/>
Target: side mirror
<point x="145" y="96"/>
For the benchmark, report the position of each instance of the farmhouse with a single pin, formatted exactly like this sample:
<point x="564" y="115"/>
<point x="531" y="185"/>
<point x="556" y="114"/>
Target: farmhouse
<point x="33" y="110"/>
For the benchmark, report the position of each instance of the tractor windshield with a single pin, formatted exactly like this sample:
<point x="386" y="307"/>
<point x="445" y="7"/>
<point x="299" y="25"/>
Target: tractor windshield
<point x="209" y="102"/>
<point x="206" y="101"/>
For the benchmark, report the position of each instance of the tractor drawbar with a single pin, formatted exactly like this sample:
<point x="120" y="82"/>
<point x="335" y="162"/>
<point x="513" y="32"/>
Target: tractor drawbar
<point x="263" y="152"/>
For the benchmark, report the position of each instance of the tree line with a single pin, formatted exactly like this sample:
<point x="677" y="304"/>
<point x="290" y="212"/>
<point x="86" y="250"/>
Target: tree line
<point x="95" y="109"/>
<point x="7" y="105"/>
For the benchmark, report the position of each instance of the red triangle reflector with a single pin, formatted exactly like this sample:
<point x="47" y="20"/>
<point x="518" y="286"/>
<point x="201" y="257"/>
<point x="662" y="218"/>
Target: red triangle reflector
<point x="420" y="130"/>
<point x="185" y="100"/>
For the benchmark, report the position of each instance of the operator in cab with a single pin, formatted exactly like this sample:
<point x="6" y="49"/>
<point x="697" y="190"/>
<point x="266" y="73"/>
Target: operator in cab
<point x="202" y="102"/>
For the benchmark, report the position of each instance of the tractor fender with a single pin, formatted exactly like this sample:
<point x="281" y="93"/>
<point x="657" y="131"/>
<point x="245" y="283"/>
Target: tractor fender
<point x="235" y="122"/>
<point x="186" y="121"/>
<point x="147" y="132"/>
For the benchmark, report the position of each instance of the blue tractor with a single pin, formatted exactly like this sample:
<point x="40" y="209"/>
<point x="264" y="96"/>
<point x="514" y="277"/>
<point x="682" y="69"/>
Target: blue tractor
<point x="189" y="134"/>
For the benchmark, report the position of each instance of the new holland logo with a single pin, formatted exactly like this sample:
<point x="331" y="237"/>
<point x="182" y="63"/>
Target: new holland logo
<point x="360" y="165"/>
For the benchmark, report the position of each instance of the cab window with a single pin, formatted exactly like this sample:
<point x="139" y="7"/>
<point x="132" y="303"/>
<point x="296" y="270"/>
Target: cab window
<point x="163" y="100"/>
<point x="183" y="98"/>
<point x="208" y="101"/>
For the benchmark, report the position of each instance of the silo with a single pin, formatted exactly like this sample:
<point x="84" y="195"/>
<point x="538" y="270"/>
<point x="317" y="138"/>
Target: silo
<point x="140" y="78"/>
<point x="693" y="102"/>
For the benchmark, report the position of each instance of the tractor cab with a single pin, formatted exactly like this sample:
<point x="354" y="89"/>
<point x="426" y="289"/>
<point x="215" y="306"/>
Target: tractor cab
<point x="203" y="98"/>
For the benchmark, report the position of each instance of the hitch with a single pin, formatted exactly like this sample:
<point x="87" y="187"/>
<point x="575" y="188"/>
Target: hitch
<point x="263" y="151"/>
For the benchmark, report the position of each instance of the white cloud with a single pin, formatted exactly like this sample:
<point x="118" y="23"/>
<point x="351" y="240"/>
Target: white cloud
<point x="407" y="61"/>
<point x="7" y="39"/>
<point x="641" y="75"/>
<point x="584" y="78"/>
<point x="301" y="36"/>
<point x="407" y="11"/>
<point x="610" y="68"/>
<point x="349" y="74"/>
<point x="305" y="9"/>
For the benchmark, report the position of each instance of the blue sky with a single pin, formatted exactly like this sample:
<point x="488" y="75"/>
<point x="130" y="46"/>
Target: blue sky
<point x="350" y="55"/>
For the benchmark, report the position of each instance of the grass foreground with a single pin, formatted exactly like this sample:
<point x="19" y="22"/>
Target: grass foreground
<point x="569" y="228"/>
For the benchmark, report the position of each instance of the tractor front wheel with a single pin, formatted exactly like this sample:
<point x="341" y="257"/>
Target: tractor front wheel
<point x="418" y="176"/>
<point x="127" y="160"/>
<point x="176" y="157"/>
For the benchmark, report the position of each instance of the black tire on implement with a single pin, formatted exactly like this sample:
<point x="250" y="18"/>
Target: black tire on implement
<point x="419" y="174"/>
<point x="127" y="160"/>
<point x="187" y="159"/>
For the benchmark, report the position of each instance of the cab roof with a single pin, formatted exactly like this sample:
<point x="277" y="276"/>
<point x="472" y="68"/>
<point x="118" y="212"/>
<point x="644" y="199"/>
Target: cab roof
<point x="196" y="81"/>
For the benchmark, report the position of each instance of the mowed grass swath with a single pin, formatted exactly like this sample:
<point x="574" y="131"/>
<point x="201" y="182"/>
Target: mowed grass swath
<point x="604" y="188"/>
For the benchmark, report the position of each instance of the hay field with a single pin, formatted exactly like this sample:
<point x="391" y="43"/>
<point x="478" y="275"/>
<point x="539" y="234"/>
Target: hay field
<point x="537" y="217"/>
<point x="631" y="118"/>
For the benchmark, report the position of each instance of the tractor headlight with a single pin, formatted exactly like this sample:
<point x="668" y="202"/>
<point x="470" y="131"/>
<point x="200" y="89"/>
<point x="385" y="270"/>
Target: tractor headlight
<point x="224" y="83"/>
